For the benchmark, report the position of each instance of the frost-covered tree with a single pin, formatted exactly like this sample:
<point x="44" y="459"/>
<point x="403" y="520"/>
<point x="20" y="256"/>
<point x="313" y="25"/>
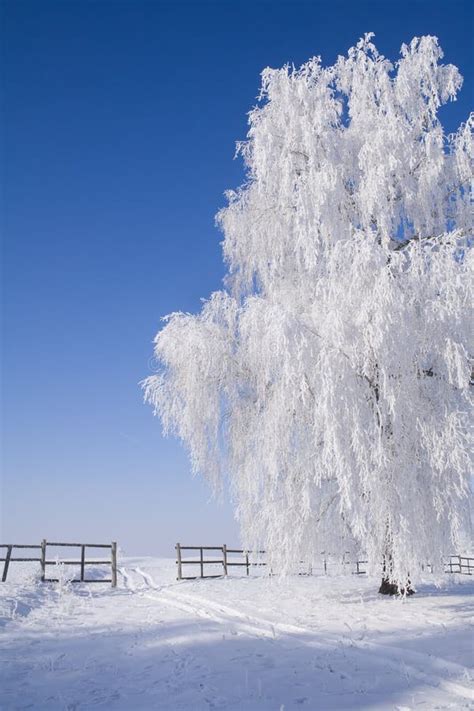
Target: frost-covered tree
<point x="329" y="380"/>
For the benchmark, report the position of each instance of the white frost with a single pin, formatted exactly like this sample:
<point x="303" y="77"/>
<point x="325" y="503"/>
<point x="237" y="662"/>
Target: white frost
<point x="330" y="379"/>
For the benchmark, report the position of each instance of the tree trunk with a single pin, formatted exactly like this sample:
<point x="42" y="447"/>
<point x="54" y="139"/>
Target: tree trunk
<point x="388" y="588"/>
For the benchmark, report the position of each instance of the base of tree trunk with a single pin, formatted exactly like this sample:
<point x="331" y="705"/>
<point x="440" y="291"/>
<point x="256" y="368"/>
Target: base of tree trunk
<point x="388" y="588"/>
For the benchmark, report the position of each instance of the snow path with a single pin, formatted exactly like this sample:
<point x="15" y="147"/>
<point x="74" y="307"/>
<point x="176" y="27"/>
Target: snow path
<point x="322" y="644"/>
<point x="202" y="607"/>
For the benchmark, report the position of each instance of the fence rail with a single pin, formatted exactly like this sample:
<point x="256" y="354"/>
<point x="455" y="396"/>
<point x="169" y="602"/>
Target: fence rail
<point x="226" y="560"/>
<point x="454" y="564"/>
<point x="82" y="561"/>
<point x="9" y="558"/>
<point x="460" y="564"/>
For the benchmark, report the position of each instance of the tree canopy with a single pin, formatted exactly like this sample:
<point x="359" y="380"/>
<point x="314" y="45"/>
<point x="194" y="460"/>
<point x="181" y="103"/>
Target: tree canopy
<point x="329" y="379"/>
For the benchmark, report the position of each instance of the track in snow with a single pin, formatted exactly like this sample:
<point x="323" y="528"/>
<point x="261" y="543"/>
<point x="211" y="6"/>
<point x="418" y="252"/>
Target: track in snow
<point x="405" y="662"/>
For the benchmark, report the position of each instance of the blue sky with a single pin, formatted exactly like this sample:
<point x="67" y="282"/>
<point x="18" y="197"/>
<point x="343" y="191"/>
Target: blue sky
<point x="118" y="135"/>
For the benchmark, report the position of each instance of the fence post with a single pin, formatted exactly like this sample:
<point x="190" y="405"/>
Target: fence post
<point x="113" y="552"/>
<point x="201" y="560"/>
<point x="224" y="558"/>
<point x="43" y="560"/>
<point x="83" y="561"/>
<point x="178" y="560"/>
<point x="7" y="563"/>
<point x="247" y="563"/>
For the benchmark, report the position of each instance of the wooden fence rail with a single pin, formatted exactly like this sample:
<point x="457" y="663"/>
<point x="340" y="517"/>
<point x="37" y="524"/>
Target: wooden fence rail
<point x="460" y="564"/>
<point x="454" y="564"/>
<point x="82" y="561"/>
<point x="9" y="559"/>
<point x="226" y="560"/>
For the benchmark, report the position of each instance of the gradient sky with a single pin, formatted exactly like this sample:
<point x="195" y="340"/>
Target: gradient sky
<point x="118" y="133"/>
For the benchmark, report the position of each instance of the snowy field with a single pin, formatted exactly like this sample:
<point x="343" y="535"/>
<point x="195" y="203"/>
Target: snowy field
<point x="258" y="643"/>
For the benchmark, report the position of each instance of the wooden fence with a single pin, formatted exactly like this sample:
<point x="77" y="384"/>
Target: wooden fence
<point x="82" y="562"/>
<point x="459" y="564"/>
<point x="226" y="560"/>
<point x="454" y="564"/>
<point x="9" y="559"/>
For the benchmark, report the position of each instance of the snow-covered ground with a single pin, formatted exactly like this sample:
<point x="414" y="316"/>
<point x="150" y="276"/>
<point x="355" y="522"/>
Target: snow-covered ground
<point x="250" y="644"/>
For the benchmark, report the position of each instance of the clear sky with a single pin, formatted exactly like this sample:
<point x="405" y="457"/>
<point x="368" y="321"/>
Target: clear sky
<point x="118" y="132"/>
